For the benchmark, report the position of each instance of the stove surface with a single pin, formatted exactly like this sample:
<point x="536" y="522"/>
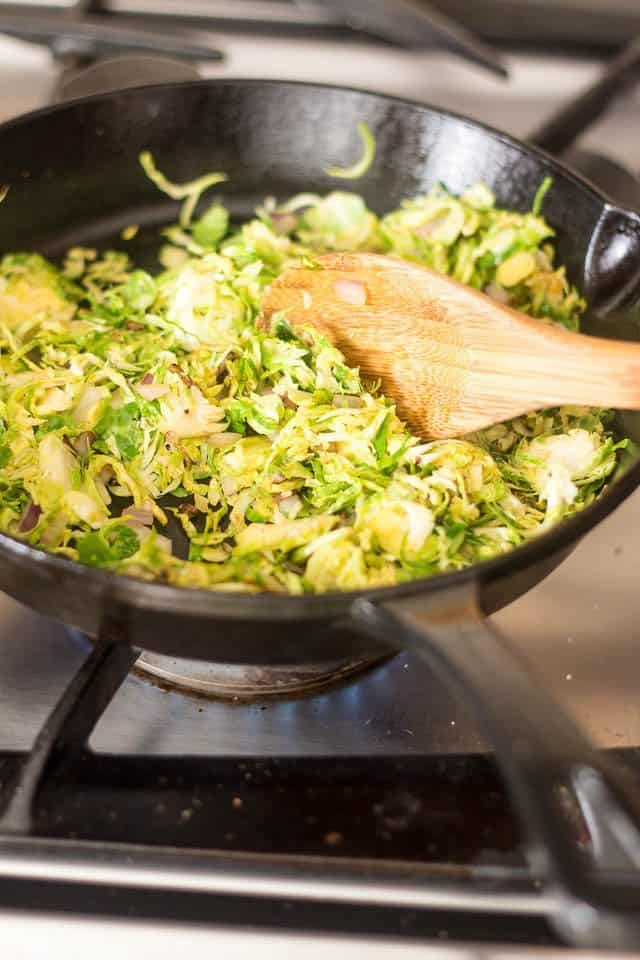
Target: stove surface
<point x="578" y="629"/>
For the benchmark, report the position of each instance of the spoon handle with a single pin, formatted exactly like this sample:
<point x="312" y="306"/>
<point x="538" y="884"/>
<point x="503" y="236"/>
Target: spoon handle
<point x="571" y="368"/>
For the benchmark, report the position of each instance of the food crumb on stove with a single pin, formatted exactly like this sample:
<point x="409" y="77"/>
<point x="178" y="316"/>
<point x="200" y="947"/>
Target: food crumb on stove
<point x="236" y="803"/>
<point x="453" y="723"/>
<point x="186" y="814"/>
<point x="333" y="838"/>
<point x="568" y="676"/>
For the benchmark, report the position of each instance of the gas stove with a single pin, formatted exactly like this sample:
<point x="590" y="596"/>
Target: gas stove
<point x="355" y="809"/>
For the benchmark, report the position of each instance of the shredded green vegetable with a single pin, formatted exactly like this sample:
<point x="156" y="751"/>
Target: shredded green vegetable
<point x="360" y="168"/>
<point x="189" y="192"/>
<point x="129" y="400"/>
<point x="541" y="193"/>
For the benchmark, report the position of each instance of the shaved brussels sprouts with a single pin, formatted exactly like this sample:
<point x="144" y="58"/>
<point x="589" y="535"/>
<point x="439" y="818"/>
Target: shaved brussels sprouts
<point x="129" y="400"/>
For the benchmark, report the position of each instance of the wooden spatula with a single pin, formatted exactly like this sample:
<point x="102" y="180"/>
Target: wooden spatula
<point x="453" y="359"/>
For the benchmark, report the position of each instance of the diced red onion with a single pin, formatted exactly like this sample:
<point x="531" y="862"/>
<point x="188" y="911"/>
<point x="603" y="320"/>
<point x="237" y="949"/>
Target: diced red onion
<point x="283" y="222"/>
<point x="229" y="486"/>
<point x="220" y="440"/>
<point x="348" y="401"/>
<point x="140" y="530"/>
<point x="53" y="532"/>
<point x="289" y="505"/>
<point x="427" y="229"/>
<point x="106" y="474"/>
<point x="497" y="293"/>
<point x="163" y="543"/>
<point x="277" y="477"/>
<point x="186" y="379"/>
<point x="30" y="517"/>
<point x="144" y="517"/>
<point x="201" y="502"/>
<point x="148" y="378"/>
<point x="350" y="291"/>
<point x="288" y="402"/>
<point x="82" y="443"/>
<point x="151" y="391"/>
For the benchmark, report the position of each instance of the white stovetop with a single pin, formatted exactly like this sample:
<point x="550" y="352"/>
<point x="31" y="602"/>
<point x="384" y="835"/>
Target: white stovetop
<point x="26" y="78"/>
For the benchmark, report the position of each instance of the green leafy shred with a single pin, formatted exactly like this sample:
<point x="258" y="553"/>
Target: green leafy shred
<point x="130" y="400"/>
<point x="106" y="547"/>
<point x="361" y="167"/>
<point x="541" y="193"/>
<point x="190" y="192"/>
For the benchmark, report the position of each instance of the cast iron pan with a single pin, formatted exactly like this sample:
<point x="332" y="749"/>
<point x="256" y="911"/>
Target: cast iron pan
<point x="75" y="179"/>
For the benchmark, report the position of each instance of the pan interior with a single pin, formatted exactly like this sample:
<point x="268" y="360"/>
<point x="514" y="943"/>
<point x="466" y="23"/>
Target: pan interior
<point x="75" y="179"/>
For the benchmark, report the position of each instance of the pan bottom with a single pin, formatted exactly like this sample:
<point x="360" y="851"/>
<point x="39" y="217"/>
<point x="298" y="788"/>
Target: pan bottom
<point x="232" y="681"/>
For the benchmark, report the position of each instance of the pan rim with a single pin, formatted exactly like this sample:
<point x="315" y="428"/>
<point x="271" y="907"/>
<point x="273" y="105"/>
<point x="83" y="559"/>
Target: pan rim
<point x="227" y="604"/>
<point x="582" y="181"/>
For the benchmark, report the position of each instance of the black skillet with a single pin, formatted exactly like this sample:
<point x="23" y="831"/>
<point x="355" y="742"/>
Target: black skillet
<point x="74" y="179"/>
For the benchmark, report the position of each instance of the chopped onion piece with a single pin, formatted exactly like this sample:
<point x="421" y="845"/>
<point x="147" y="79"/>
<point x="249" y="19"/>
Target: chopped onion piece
<point x="163" y="543"/>
<point x="151" y="391"/>
<point x="223" y="439"/>
<point x="430" y="227"/>
<point x="140" y="530"/>
<point x="290" y="506"/>
<point x="497" y="293"/>
<point x="229" y="486"/>
<point x="200" y="502"/>
<point x="283" y="222"/>
<point x="30" y="517"/>
<point x="350" y="291"/>
<point x="346" y="400"/>
<point x="145" y="517"/>
<point x="82" y="443"/>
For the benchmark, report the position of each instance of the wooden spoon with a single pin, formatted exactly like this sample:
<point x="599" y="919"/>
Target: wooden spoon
<point x="453" y="359"/>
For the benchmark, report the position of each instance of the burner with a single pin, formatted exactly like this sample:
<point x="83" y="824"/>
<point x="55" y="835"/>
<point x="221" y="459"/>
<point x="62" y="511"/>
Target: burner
<point x="242" y="682"/>
<point x="233" y="681"/>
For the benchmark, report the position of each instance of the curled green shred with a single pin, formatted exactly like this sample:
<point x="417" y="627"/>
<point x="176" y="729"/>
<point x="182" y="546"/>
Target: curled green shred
<point x="359" y="168"/>
<point x="541" y="193"/>
<point x="133" y="403"/>
<point x="189" y="192"/>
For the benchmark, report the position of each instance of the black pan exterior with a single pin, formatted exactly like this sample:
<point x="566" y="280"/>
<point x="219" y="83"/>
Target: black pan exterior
<point x="75" y="179"/>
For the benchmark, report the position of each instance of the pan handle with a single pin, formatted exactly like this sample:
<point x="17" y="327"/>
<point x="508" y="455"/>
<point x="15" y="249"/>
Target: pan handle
<point x="612" y="266"/>
<point x="544" y="758"/>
